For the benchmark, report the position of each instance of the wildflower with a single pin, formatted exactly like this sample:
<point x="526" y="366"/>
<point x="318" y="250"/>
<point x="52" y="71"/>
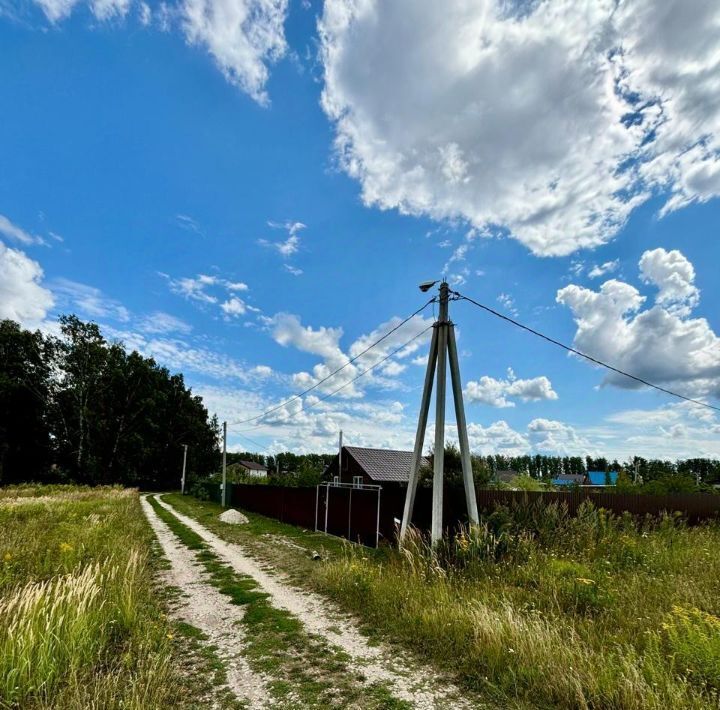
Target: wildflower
<point x="170" y="636"/>
<point x="511" y="650"/>
<point x="7" y="556"/>
<point x="65" y="547"/>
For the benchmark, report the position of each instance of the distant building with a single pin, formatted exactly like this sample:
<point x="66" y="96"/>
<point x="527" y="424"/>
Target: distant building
<point x="373" y="466"/>
<point x="252" y="468"/>
<point x="600" y="478"/>
<point x="507" y="476"/>
<point x="569" y="479"/>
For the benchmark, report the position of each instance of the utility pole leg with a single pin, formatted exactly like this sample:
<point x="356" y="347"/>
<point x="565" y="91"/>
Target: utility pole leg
<point x="468" y="480"/>
<point x="439" y="460"/>
<point x="419" y="437"/>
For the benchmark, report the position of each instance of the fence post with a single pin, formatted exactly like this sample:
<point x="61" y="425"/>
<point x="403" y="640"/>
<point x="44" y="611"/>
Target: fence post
<point x="377" y="522"/>
<point x="327" y="503"/>
<point x="317" y="503"/>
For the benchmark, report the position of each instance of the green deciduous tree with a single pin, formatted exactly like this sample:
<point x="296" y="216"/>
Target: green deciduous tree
<point x="24" y="397"/>
<point x="87" y="410"/>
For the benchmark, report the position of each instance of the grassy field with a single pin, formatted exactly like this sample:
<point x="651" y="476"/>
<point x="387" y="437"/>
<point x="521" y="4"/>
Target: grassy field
<point x="533" y="608"/>
<point x="537" y="607"/>
<point x="81" y="624"/>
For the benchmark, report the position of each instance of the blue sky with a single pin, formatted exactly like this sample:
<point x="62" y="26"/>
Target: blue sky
<point x="251" y="191"/>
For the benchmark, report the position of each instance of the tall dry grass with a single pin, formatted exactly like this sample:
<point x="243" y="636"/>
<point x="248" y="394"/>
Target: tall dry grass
<point x="535" y="607"/>
<point x="80" y="624"/>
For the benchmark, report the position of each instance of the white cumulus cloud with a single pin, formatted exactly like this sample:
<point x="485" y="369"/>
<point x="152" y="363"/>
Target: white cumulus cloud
<point x="550" y="121"/>
<point x="499" y="393"/>
<point x="243" y="37"/>
<point x="23" y="298"/>
<point x="324" y="342"/>
<point x="234" y="307"/>
<point x="663" y="343"/>
<point x="674" y="277"/>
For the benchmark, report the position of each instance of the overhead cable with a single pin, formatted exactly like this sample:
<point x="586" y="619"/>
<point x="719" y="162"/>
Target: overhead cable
<point x="585" y="355"/>
<point x="334" y="372"/>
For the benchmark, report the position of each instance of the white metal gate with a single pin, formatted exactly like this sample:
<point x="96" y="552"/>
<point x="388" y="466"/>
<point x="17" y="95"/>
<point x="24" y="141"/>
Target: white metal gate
<point x="334" y="500"/>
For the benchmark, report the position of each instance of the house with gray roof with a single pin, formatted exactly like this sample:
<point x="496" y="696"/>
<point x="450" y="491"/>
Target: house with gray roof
<point x="385" y="467"/>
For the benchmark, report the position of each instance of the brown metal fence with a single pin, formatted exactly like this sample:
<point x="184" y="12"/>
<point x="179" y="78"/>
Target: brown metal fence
<point x="693" y="506"/>
<point x="297" y="506"/>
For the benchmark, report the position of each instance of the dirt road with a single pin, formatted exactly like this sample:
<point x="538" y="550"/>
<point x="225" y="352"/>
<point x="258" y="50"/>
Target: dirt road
<point x="419" y="687"/>
<point x="205" y="608"/>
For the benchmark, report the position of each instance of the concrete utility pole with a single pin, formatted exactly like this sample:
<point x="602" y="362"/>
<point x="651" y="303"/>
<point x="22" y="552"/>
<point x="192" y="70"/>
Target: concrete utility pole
<point x="442" y="348"/>
<point x="224" y="466"/>
<point x="182" y="480"/>
<point x="340" y="456"/>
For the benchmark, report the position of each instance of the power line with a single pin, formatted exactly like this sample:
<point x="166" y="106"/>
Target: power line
<point x="257" y="443"/>
<point x="335" y="372"/>
<point x="354" y="379"/>
<point x="369" y="369"/>
<point x="584" y="355"/>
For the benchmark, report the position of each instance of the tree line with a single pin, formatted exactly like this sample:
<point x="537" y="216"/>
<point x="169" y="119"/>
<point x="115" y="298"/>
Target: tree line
<point x="655" y="475"/>
<point x="541" y="466"/>
<point x="75" y="407"/>
<point x="636" y="475"/>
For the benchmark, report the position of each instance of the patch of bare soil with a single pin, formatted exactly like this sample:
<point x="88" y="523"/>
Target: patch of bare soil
<point x="420" y="686"/>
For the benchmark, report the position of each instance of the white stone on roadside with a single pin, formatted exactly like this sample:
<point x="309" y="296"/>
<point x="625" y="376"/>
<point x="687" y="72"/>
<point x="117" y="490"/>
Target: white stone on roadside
<point x="232" y="516"/>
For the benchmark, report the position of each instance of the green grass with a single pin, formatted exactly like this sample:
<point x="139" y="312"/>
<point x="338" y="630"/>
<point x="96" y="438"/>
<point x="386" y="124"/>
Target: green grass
<point x="304" y="671"/>
<point x="80" y="623"/>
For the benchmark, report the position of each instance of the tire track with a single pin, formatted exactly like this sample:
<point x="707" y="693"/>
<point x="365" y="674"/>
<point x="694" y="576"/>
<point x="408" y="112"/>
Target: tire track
<point x="421" y="687"/>
<point x="203" y="606"/>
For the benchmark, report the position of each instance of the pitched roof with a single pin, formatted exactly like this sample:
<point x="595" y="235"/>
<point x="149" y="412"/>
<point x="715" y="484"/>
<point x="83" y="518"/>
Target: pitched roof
<point x="384" y="464"/>
<point x="253" y="465"/>
<point x="597" y="478"/>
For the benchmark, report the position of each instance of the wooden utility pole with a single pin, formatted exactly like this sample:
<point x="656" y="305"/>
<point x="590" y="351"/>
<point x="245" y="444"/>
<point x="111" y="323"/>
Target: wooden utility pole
<point x="224" y="466"/>
<point x="442" y="349"/>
